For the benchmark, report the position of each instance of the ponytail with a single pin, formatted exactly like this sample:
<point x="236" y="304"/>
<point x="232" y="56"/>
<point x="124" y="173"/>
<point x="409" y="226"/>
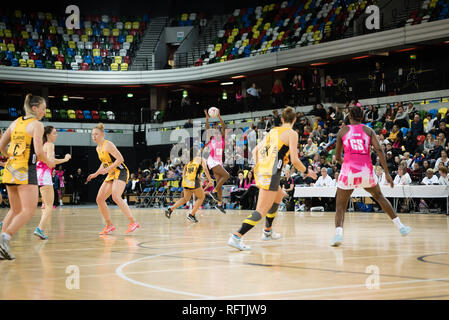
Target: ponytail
<point x="30" y="102"/>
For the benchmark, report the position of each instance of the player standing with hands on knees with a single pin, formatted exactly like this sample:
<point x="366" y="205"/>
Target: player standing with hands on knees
<point x="44" y="179"/>
<point x="355" y="140"/>
<point x="270" y="155"/>
<point x="112" y="164"/>
<point x="24" y="136"/>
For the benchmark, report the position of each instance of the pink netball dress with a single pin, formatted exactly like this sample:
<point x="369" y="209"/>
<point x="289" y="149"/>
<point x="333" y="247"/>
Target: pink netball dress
<point x="44" y="174"/>
<point x="216" y="152"/>
<point x="357" y="169"/>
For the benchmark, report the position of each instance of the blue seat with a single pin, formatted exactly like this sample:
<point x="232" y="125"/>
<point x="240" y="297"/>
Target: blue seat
<point x="121" y="38"/>
<point x="71" y="52"/>
<point x="180" y="189"/>
<point x="14" y="62"/>
<point x="87" y="115"/>
<point x="88" y="59"/>
<point x="173" y="189"/>
<point x="37" y="49"/>
<point x="39" y="64"/>
<point x="404" y="131"/>
<point x="30" y="42"/>
<point x="97" y="60"/>
<point x="48" y="44"/>
<point x="13" y="112"/>
<point x="433" y="112"/>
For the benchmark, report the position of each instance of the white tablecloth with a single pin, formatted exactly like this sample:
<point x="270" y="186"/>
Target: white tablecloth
<point x="412" y="191"/>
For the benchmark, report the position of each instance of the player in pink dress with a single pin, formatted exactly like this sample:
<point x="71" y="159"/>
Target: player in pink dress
<point x="215" y="159"/>
<point x="357" y="171"/>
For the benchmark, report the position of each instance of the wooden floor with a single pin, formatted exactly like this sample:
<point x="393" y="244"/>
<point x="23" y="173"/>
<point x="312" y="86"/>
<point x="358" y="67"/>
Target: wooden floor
<point x="175" y="259"/>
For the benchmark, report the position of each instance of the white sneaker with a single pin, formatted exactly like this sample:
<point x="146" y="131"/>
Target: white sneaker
<point x="237" y="243"/>
<point x="270" y="235"/>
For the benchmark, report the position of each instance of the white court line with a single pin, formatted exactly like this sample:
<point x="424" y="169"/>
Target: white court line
<point x="382" y="291"/>
<point x="119" y="272"/>
<point x="324" y="288"/>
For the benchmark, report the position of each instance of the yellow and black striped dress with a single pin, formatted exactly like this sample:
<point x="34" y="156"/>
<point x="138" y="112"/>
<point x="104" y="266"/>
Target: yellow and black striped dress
<point x="272" y="156"/>
<point x="191" y="177"/>
<point x="20" y="168"/>
<point x="120" y="172"/>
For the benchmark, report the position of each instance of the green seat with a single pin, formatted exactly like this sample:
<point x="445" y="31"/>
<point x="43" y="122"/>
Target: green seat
<point x="103" y="115"/>
<point x="63" y="114"/>
<point x="378" y="125"/>
<point x="56" y="114"/>
<point x="422" y="114"/>
<point x="48" y="64"/>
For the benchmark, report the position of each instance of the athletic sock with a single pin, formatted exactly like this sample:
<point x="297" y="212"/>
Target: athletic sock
<point x="398" y="223"/>
<point x="6" y="236"/>
<point x="339" y="231"/>
<point x="236" y="236"/>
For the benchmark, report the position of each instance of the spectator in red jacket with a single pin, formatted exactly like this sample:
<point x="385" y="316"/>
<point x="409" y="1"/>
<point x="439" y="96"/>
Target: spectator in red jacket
<point x="277" y="93"/>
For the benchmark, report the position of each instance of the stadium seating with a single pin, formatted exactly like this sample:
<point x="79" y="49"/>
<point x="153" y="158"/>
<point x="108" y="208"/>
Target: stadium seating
<point x="430" y="10"/>
<point x="32" y="37"/>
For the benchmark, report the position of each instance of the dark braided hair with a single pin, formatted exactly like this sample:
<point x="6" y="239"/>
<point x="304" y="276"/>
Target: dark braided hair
<point x="356" y="113"/>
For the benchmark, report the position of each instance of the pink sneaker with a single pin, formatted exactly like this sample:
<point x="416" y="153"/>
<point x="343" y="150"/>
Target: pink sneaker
<point x="132" y="227"/>
<point x="108" y="229"/>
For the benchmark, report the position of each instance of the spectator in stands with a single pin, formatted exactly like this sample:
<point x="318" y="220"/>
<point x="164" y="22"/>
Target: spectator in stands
<point x="429" y="143"/>
<point x="276" y="119"/>
<point x="443" y="132"/>
<point x="310" y="149"/>
<point x="158" y="163"/>
<point x="442" y="139"/>
<point x="435" y="124"/>
<point x="321" y="112"/>
<point x="277" y="93"/>
<point x="380" y="175"/>
<point x="417" y="127"/>
<point x="411" y="110"/>
<point x="324" y="180"/>
<point x="370" y="115"/>
<point x="402" y="178"/>
<point x="442" y="159"/>
<point x="425" y="166"/>
<point x="188" y="124"/>
<point x="401" y="119"/>
<point x="379" y="75"/>
<point x="395" y="136"/>
<point x="261" y="125"/>
<point x="430" y="178"/>
<point x="316" y="85"/>
<point x="254" y="97"/>
<point x="239" y="188"/>
<point x="435" y="153"/>
<point x="329" y="89"/>
<point x="416" y="173"/>
<point x="299" y="90"/>
<point x="444" y="179"/>
<point x="418" y="158"/>
<point x="133" y="185"/>
<point x="249" y="198"/>
<point x="429" y="124"/>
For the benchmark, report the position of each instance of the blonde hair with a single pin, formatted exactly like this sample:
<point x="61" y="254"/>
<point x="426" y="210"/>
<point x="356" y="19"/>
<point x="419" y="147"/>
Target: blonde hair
<point x="99" y="126"/>
<point x="288" y="114"/>
<point x="30" y="102"/>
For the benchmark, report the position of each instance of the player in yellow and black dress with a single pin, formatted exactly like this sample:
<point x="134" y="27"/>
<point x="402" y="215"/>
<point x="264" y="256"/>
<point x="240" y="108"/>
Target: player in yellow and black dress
<point x="24" y="137"/>
<point x="270" y="156"/>
<point x="192" y="185"/>
<point x="112" y="164"/>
